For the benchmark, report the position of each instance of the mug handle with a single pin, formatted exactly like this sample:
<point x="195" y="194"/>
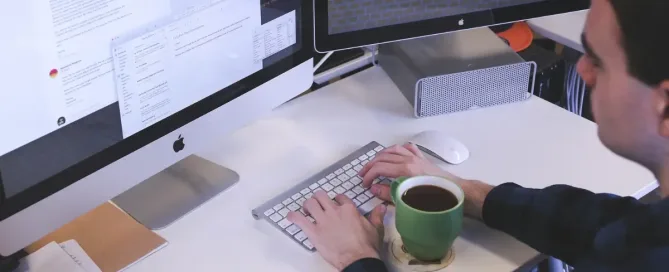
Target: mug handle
<point x="394" y="186"/>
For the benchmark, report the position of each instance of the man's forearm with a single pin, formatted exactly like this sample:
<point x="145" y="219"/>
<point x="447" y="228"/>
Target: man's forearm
<point x="475" y="195"/>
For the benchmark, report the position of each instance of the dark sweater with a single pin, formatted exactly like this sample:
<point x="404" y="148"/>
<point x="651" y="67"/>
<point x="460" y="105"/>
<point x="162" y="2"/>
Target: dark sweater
<point x="590" y="232"/>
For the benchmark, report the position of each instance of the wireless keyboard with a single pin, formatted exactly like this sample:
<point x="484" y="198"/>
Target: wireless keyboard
<point x="340" y="178"/>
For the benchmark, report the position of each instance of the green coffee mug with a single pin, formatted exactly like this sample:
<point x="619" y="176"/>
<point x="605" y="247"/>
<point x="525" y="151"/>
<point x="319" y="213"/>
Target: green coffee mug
<point x="427" y="236"/>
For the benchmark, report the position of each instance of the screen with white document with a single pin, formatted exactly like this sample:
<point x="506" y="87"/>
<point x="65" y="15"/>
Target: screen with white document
<point x="79" y="76"/>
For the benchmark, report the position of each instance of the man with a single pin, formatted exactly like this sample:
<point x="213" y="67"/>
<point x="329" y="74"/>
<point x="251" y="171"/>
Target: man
<point x="627" y="64"/>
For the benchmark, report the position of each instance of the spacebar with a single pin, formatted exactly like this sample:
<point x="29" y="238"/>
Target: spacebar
<point x="369" y="205"/>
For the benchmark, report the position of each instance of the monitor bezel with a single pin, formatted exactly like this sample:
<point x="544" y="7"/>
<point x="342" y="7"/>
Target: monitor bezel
<point x="325" y="42"/>
<point x="127" y="146"/>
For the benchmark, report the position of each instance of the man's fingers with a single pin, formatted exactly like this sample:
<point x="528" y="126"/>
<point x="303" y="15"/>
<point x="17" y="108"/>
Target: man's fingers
<point x="302" y="222"/>
<point x="414" y="150"/>
<point x="382" y="191"/>
<point x="324" y="200"/>
<point x="376" y="216"/>
<point x="382" y="157"/>
<point x="380" y="169"/>
<point x="397" y="149"/>
<point x="312" y="207"/>
<point x="342" y="199"/>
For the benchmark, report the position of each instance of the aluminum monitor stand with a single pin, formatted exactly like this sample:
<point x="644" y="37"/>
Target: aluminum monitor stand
<point x="174" y="192"/>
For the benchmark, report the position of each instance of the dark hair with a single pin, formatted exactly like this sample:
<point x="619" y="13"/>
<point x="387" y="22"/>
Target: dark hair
<point x="645" y="25"/>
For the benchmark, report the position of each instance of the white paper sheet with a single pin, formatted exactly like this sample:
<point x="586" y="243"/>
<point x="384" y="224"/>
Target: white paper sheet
<point x="79" y="256"/>
<point x="50" y="258"/>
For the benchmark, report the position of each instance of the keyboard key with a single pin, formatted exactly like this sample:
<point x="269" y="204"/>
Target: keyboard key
<point x="378" y="148"/>
<point x="327" y="187"/>
<point x="369" y="193"/>
<point x="319" y="189"/>
<point x="363" y="158"/>
<point x="303" y="212"/>
<point x="308" y="244"/>
<point x="352" y="173"/>
<point x="315" y="185"/>
<point x="347" y="166"/>
<point x="276" y="217"/>
<point x="293" y="206"/>
<point x="269" y="212"/>
<point x="339" y="171"/>
<point x="357" y="168"/>
<point x="300" y="236"/>
<point x="347" y="185"/>
<point x="296" y="196"/>
<point x="335" y="182"/>
<point x="376" y="180"/>
<point x="343" y="177"/>
<point x="332" y="194"/>
<point x="371" y="153"/>
<point x="283" y="212"/>
<point x="293" y="229"/>
<point x="287" y="201"/>
<point x="305" y="191"/>
<point x="284" y="223"/>
<point x="300" y="202"/>
<point x="350" y="194"/>
<point x="329" y="177"/>
<point x="339" y="190"/>
<point x="356" y="202"/>
<point x="311" y="219"/>
<point x="386" y="181"/>
<point x="363" y="163"/>
<point x="355" y="162"/>
<point x="358" y="190"/>
<point x="278" y="207"/>
<point x="369" y="205"/>
<point x="308" y="196"/>
<point x="355" y="180"/>
<point x="361" y="198"/>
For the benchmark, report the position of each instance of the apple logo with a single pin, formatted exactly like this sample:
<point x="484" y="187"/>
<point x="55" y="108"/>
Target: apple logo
<point x="461" y="22"/>
<point x="179" y="144"/>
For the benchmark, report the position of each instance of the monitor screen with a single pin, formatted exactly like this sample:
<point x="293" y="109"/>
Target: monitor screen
<point x="354" y="15"/>
<point x="80" y="76"/>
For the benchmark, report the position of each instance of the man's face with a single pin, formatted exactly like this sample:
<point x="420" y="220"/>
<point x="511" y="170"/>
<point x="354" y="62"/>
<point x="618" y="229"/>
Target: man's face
<point x="622" y="105"/>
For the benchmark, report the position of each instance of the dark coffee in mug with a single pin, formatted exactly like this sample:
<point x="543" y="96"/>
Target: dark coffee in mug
<point x="429" y="198"/>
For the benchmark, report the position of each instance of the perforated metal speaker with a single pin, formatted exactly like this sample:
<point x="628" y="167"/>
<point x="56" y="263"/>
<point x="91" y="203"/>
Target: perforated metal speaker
<point x="457" y="71"/>
<point x="474" y="89"/>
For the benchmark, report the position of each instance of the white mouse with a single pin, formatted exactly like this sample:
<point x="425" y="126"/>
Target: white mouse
<point x="441" y="146"/>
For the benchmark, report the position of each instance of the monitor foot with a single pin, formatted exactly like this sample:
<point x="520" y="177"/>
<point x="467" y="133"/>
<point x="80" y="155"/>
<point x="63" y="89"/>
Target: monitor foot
<point x="174" y="192"/>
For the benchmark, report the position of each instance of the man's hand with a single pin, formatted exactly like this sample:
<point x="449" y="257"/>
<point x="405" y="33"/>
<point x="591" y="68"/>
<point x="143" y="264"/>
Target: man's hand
<point x="409" y="161"/>
<point x="399" y="161"/>
<point x="341" y="235"/>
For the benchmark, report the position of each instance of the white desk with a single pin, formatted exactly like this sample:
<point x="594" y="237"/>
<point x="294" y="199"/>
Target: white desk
<point x="564" y="28"/>
<point x="532" y="143"/>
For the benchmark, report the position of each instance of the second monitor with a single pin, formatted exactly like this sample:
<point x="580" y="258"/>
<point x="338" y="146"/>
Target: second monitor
<point x="346" y="24"/>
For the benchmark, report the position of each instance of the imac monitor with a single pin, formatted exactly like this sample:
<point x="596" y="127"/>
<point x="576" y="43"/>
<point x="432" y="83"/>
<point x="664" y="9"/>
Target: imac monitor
<point x="343" y="24"/>
<point x="98" y="96"/>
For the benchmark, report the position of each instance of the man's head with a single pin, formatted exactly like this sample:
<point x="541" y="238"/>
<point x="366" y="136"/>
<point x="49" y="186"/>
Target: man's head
<point x="627" y="64"/>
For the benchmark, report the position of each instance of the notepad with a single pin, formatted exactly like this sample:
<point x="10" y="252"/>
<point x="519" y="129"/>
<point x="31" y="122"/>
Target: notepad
<point x="111" y="238"/>
<point x="49" y="258"/>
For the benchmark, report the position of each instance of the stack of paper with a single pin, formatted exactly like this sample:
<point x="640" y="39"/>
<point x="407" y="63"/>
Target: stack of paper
<point x="112" y="239"/>
<point x="64" y="257"/>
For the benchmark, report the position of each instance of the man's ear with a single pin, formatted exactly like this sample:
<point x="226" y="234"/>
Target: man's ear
<point x="662" y="107"/>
